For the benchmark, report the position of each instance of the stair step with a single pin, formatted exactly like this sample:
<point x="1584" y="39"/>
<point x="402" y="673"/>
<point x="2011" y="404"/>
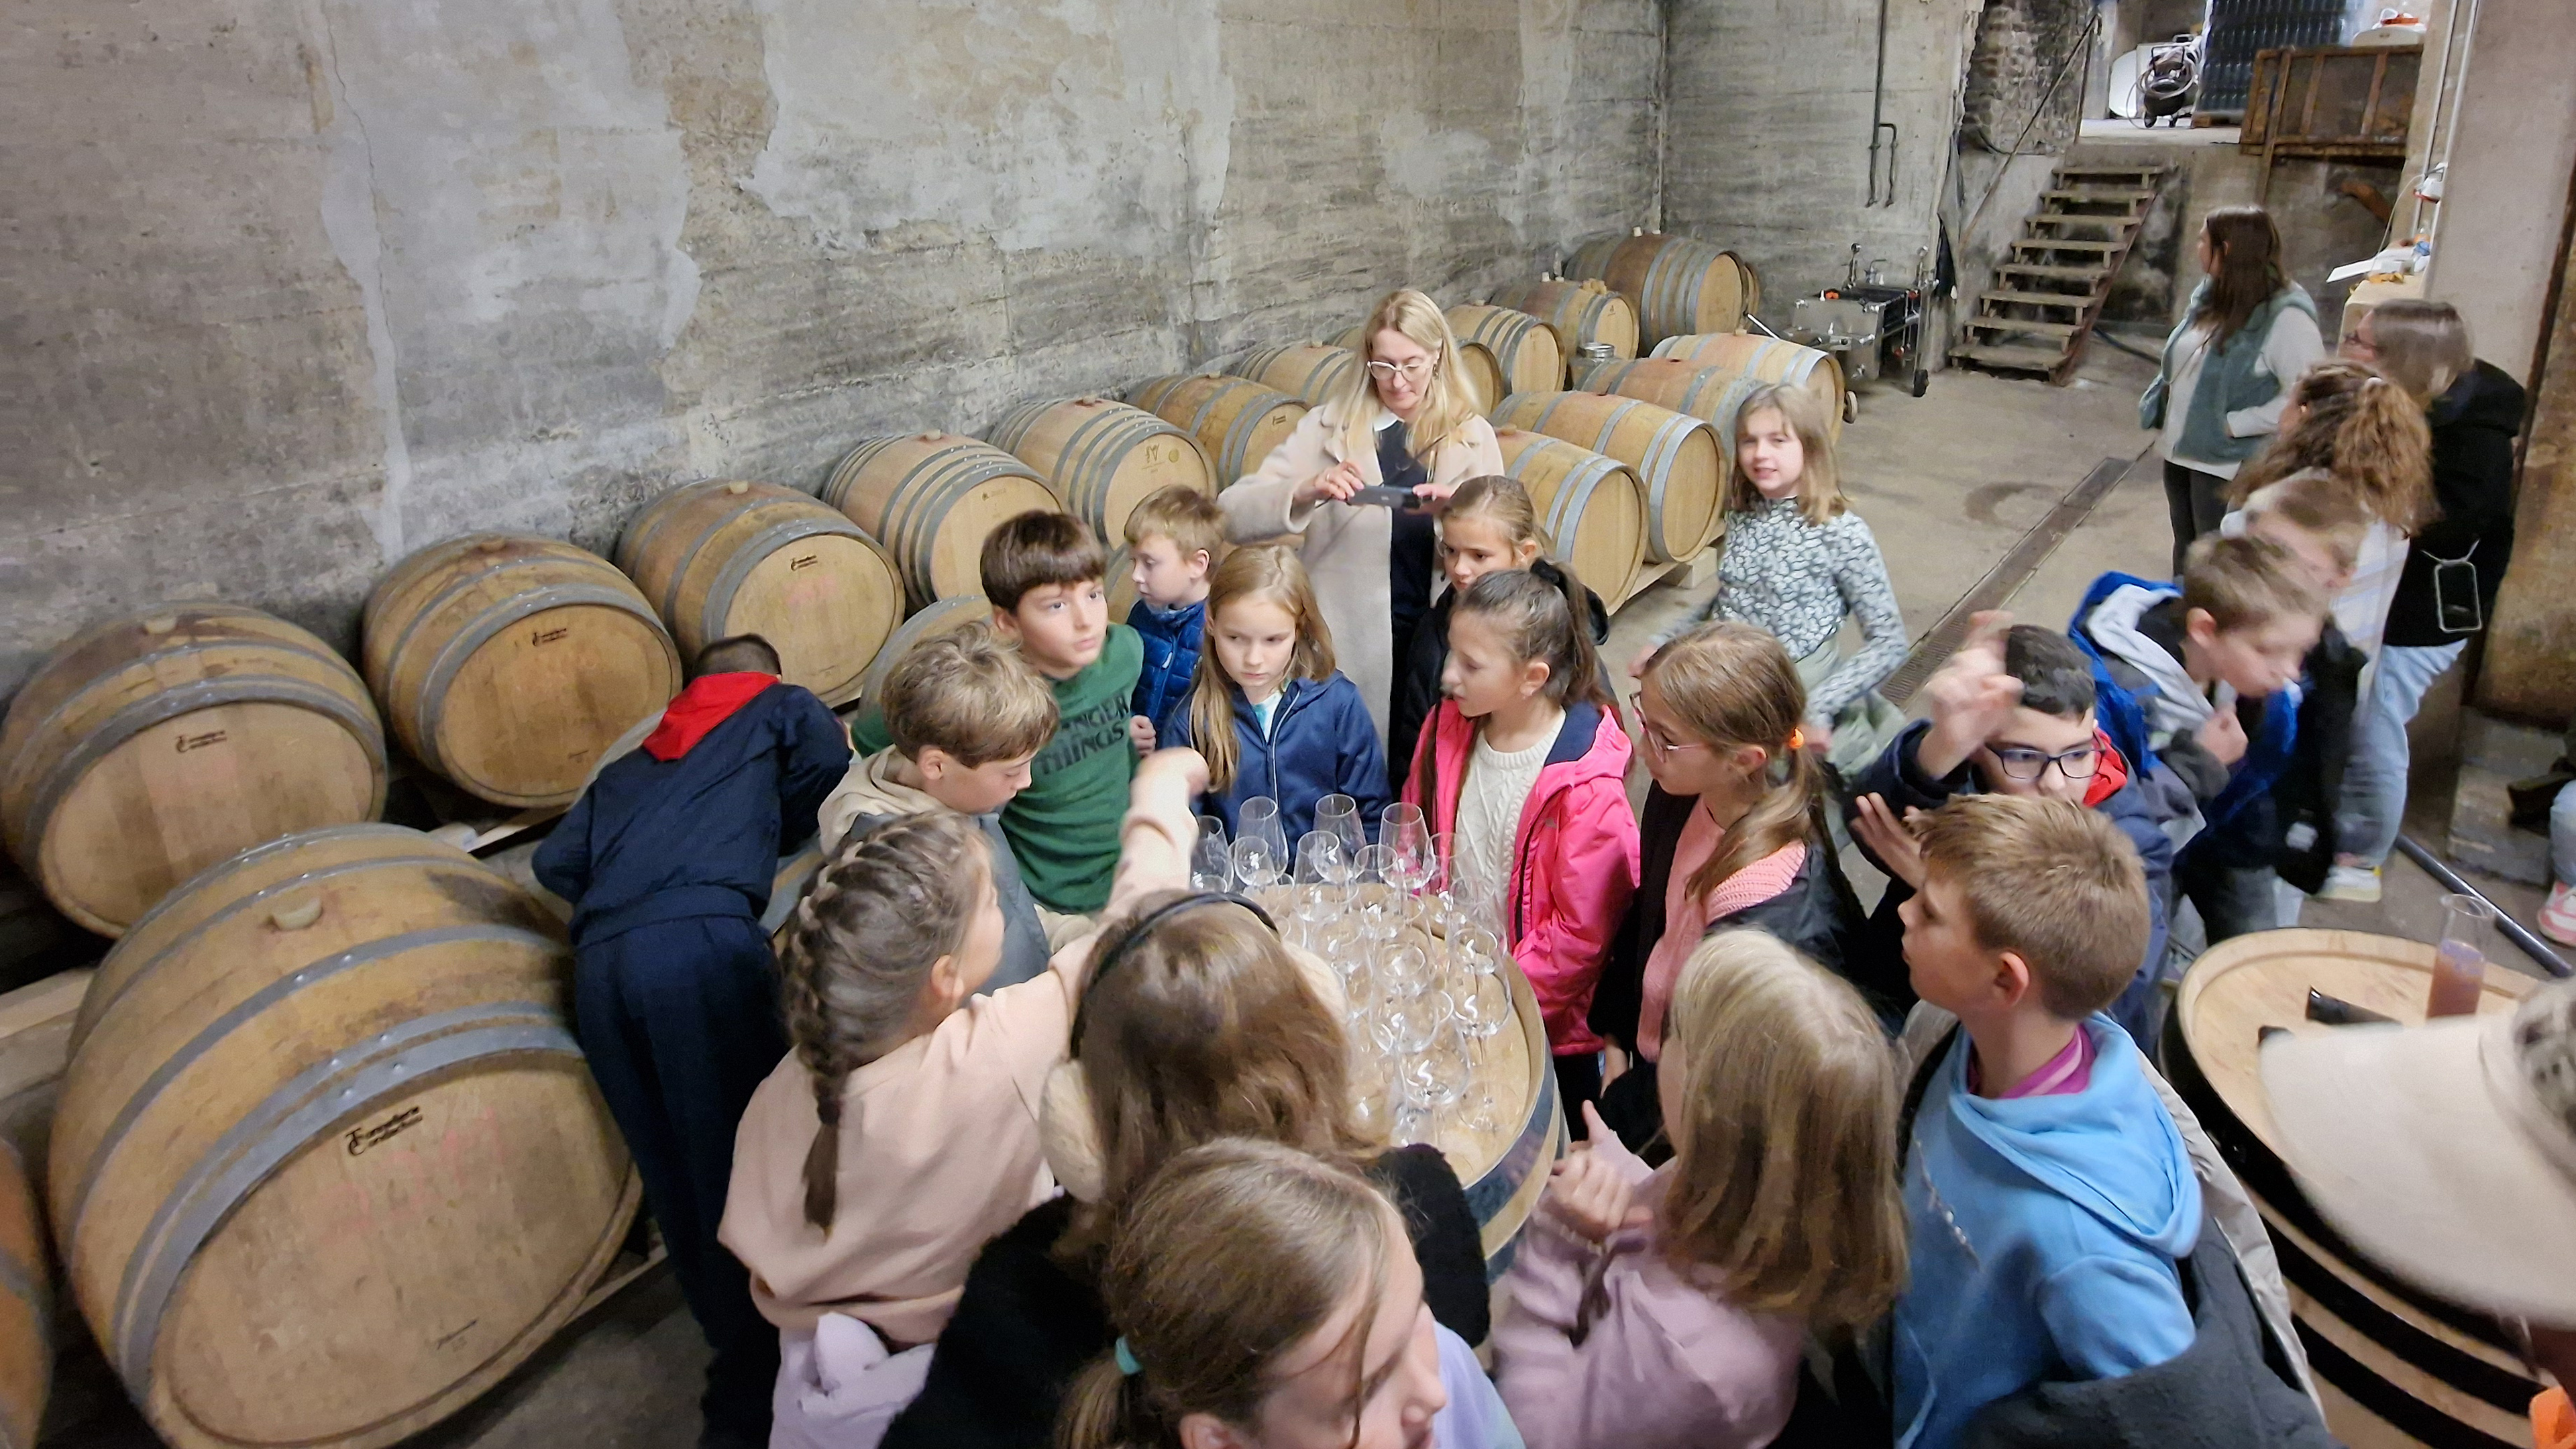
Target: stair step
<point x="2064" y="172"/>
<point x="2015" y="324"/>
<point x="2041" y="299"/>
<point x="2068" y="244"/>
<point x="2093" y="275"/>
<point x="2118" y="223"/>
<point x="2121" y="195"/>
<point x="2027" y="359"/>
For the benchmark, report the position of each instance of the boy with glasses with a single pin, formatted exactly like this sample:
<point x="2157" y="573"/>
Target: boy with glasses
<point x="2012" y="714"/>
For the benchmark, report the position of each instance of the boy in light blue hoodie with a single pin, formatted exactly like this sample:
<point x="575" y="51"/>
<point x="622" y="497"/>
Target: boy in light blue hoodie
<point x="2047" y="1190"/>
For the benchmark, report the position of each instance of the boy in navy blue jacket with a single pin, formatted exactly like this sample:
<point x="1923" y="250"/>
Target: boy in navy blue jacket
<point x="2012" y="714"/>
<point x="667" y="859"/>
<point x="1173" y="539"/>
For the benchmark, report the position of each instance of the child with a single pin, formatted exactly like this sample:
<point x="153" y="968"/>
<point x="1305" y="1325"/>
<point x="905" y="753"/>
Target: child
<point x="1733" y="833"/>
<point x="1262" y="1299"/>
<point x="2204" y="678"/>
<point x="1206" y="1027"/>
<point x="1526" y="765"/>
<point x="2322" y="525"/>
<point x="2049" y="1193"/>
<point x="1173" y="539"/>
<point x="901" y="1131"/>
<point x="967" y="716"/>
<point x="1268" y="711"/>
<point x="1488" y="524"/>
<point x="1797" y="561"/>
<point x="2012" y="714"/>
<point x="667" y="859"/>
<point x="1042" y="573"/>
<point x="1667" y="1309"/>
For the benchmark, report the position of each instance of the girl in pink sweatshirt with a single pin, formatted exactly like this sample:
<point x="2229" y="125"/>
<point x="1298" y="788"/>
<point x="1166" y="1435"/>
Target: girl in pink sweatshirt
<point x="1669" y="1308"/>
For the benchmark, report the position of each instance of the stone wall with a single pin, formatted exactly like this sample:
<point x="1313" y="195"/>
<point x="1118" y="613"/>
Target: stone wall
<point x="2024" y="94"/>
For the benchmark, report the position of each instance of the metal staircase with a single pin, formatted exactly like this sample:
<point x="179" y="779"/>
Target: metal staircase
<point x="2050" y="290"/>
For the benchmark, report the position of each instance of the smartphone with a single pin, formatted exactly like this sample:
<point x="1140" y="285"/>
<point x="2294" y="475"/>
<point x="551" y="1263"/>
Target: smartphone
<point x="1402" y="499"/>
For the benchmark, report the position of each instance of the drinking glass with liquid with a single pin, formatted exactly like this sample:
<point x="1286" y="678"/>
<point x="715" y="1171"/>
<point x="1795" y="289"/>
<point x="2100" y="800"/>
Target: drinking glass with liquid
<point x="2460" y="964"/>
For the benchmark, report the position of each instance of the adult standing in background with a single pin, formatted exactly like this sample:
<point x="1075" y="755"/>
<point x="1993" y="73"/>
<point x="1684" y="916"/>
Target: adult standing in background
<point x="2227" y="368"/>
<point x="1407" y="421"/>
<point x="2453" y="564"/>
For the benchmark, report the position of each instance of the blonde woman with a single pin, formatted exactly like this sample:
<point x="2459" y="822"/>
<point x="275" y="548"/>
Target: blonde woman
<point x="1408" y="421"/>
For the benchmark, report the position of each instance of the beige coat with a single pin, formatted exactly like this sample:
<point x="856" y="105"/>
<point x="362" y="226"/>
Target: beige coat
<point x="939" y="1138"/>
<point x="1345" y="546"/>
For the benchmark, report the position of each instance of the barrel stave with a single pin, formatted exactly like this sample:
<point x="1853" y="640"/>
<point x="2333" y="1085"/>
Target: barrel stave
<point x="1592" y="506"/>
<point x="1101" y="457"/>
<point x="1238" y="422"/>
<point x="931" y="498"/>
<point x="1581" y="314"/>
<point x="1676" y="457"/>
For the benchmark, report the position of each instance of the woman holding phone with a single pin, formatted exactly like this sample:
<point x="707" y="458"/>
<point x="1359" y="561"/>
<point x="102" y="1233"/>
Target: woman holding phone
<point x="1407" y="424"/>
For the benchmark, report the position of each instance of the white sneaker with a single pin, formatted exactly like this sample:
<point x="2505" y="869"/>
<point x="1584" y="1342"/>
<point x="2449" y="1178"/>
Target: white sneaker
<point x="2558" y="915"/>
<point x="2350" y="883"/>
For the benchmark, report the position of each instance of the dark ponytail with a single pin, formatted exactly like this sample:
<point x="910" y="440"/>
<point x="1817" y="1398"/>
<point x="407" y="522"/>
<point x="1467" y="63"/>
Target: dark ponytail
<point x="1546" y="615"/>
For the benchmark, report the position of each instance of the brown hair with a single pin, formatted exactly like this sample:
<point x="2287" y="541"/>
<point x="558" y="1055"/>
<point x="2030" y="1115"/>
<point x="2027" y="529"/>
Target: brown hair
<point x="1232" y="1256"/>
<point x="890" y="902"/>
<point x="1501" y="501"/>
<point x="1185" y="515"/>
<point x="1820" y="481"/>
<point x="2244" y="583"/>
<point x="1273" y="574"/>
<point x="737" y="654"/>
<point x="1732" y="684"/>
<point x="1034" y="549"/>
<point x="1783" y="1196"/>
<point x="2312" y="502"/>
<point x="2421" y="346"/>
<point x="1447" y="405"/>
<point x="2051" y="881"/>
<point x="1204" y="1028"/>
<point x="2365" y="430"/>
<point x="968" y="695"/>
<point x="2248" y="271"/>
<point x="1544" y="615"/>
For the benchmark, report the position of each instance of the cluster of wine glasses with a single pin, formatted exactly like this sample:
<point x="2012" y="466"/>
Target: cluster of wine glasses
<point x="1415" y="938"/>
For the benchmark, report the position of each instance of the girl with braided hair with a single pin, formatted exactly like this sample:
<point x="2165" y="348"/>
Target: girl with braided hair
<point x="901" y="1130"/>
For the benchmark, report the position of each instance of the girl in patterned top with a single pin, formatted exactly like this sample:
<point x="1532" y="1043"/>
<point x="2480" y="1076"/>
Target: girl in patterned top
<point x="1797" y="561"/>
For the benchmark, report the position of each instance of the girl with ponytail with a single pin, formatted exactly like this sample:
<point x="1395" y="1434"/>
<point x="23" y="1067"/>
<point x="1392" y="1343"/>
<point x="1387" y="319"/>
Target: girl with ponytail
<point x="900" y="1131"/>
<point x="1525" y="766"/>
<point x="1733" y="834"/>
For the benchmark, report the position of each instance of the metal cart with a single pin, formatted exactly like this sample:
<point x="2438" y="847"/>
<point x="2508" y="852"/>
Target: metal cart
<point x="1871" y="327"/>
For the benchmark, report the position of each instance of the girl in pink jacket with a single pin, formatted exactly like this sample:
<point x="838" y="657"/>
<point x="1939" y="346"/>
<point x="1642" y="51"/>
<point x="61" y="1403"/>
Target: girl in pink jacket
<point x="1524" y="766"/>
<point x="1668" y="1309"/>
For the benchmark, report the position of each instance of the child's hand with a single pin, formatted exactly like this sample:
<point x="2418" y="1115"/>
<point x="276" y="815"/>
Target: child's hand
<point x="1972" y="697"/>
<point x="1140" y="733"/>
<point x="1184" y="766"/>
<point x="1892" y="841"/>
<point x="2223" y="735"/>
<point x="1593" y="1192"/>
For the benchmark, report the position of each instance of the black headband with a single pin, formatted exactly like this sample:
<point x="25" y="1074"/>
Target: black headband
<point x="1135" y="933"/>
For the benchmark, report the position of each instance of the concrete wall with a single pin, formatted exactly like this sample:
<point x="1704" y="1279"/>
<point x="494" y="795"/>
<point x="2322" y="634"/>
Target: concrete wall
<point x="2512" y="149"/>
<point x="299" y="286"/>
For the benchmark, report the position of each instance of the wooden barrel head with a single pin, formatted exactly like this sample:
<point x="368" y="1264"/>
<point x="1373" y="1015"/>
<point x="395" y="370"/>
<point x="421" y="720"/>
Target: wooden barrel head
<point x="1592" y="506"/>
<point x="1676" y="457"/>
<point x="1678" y="284"/>
<point x="1313" y="373"/>
<point x="1484" y="375"/>
<point x="1238" y="422"/>
<point x="1581" y="314"/>
<point x="964" y="611"/>
<point x="1526" y="354"/>
<point x="931" y="499"/>
<point x="26" y="1309"/>
<point x="1101" y="458"/>
<point x="1769" y="360"/>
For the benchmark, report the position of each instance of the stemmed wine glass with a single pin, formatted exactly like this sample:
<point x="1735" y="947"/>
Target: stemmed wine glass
<point x="1258" y="865"/>
<point x="1211" y="857"/>
<point x="1407" y="835"/>
<point x="1259" y="819"/>
<point x="1322" y="873"/>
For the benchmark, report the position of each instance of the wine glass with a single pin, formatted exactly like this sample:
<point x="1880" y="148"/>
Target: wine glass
<point x="1211" y="857"/>
<point x="1483" y="999"/>
<point x="1319" y="861"/>
<point x="1258" y="864"/>
<point x="1339" y="816"/>
<point x="1402" y="972"/>
<point x="1408" y="835"/>
<point x="1259" y="819"/>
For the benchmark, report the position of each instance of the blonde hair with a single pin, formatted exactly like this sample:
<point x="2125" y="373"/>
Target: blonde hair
<point x="1232" y="1256"/>
<point x="1783" y="1196"/>
<point x="1820" y="482"/>
<point x="1732" y="684"/>
<point x="2315" y="504"/>
<point x="2050" y="881"/>
<point x="1502" y="502"/>
<point x="2246" y="583"/>
<point x="1447" y="403"/>
<point x="2422" y="346"/>
<point x="969" y="695"/>
<point x="1185" y="515"/>
<point x="1272" y="574"/>
<point x="2365" y="430"/>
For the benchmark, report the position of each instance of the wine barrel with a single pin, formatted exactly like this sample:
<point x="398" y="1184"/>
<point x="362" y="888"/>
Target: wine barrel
<point x="1523" y="351"/>
<point x="1580" y="313"/>
<point x="328" y="1162"/>
<point x="961" y="611"/>
<point x="1677" y="284"/>
<point x="26" y="1309"/>
<point x="730" y="557"/>
<point x="154" y="745"/>
<point x="1102" y="457"/>
<point x="1505" y="1171"/>
<point x="1238" y="421"/>
<point x="1120" y="583"/>
<point x="1769" y="359"/>
<point x="2395" y="1363"/>
<point x="1678" y="458"/>
<point x="1711" y="394"/>
<point x="1593" y="508"/>
<point x="931" y="498"/>
<point x="1303" y="370"/>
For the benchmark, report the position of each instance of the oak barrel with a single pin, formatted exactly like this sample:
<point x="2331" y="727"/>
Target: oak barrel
<point x="1580" y="313"/>
<point x="932" y="498"/>
<point x="1711" y="394"/>
<point x="1769" y="359"/>
<point x="1238" y="421"/>
<point x="154" y="745"/>
<point x="961" y="611"/>
<point x="1521" y="349"/>
<point x="2395" y="1363"/>
<point x="1678" y="458"/>
<point x="1593" y="508"/>
<point x="26" y="1309"/>
<point x="1677" y="284"/>
<point x="328" y="1162"/>
<point x="1102" y="457"/>
<point x="1315" y="373"/>
<point x="506" y="662"/>
<point x="729" y="557"/>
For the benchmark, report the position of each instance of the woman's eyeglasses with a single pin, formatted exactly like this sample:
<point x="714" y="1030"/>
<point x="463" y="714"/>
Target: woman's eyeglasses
<point x="1414" y="371"/>
<point x="1663" y="744"/>
<point x="2020" y="762"/>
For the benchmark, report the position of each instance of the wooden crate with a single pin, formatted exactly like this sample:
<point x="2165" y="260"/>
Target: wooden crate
<point x="2347" y="102"/>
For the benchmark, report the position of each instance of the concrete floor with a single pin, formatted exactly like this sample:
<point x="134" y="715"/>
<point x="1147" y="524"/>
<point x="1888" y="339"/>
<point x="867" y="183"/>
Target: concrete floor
<point x="1948" y="482"/>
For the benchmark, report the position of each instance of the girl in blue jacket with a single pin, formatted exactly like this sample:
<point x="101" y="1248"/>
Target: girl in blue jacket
<point x="1268" y="711"/>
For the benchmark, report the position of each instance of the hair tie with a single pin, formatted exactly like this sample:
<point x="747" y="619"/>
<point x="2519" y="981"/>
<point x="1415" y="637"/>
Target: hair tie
<point x="1548" y="572"/>
<point x="1797" y="739"/>
<point x="1127" y="1358"/>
